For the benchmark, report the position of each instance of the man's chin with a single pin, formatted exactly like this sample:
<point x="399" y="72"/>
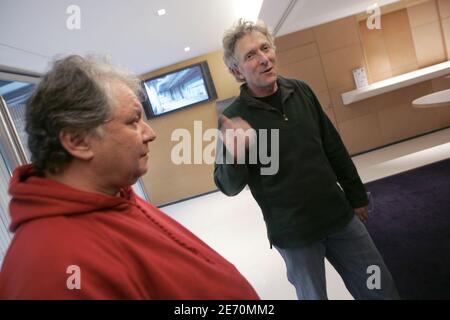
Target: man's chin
<point x="273" y="77"/>
<point x="270" y="79"/>
<point x="271" y="82"/>
<point x="143" y="172"/>
<point x="138" y="175"/>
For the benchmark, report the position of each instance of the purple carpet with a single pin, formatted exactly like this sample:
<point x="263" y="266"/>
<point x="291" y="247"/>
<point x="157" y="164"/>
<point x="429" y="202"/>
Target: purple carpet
<point x="410" y="225"/>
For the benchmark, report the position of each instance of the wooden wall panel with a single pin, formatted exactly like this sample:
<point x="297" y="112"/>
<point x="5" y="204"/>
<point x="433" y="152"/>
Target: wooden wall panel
<point x="444" y="8"/>
<point x="377" y="57"/>
<point x="336" y="34"/>
<point x="424" y="13"/>
<point x="399" y="42"/>
<point x="338" y="66"/>
<point x="398" y="120"/>
<point x="429" y="49"/>
<point x="358" y="109"/>
<point x="309" y="70"/>
<point x="446" y="34"/>
<point x="294" y="39"/>
<point x="426" y="30"/>
<point x="444" y="15"/>
<point x="296" y="54"/>
<point x="362" y="133"/>
<point x="390" y="50"/>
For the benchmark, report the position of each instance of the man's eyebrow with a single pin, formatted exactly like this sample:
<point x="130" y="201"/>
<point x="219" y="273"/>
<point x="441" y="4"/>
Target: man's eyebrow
<point x="254" y="50"/>
<point x="250" y="51"/>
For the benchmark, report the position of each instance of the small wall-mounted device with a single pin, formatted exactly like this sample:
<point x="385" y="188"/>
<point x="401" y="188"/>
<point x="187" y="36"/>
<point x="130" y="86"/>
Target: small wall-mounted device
<point x="360" y="77"/>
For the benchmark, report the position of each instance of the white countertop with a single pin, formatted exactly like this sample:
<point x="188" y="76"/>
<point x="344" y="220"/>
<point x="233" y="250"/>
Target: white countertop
<point x="397" y="82"/>
<point x="436" y="99"/>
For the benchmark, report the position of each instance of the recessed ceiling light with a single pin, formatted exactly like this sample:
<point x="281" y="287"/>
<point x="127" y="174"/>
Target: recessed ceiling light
<point x="161" y="12"/>
<point x="187" y="49"/>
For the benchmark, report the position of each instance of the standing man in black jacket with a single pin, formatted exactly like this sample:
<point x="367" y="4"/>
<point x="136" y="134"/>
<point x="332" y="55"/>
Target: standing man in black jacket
<point x="312" y="202"/>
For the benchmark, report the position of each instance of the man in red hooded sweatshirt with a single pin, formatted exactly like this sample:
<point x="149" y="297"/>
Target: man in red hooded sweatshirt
<point x="80" y="230"/>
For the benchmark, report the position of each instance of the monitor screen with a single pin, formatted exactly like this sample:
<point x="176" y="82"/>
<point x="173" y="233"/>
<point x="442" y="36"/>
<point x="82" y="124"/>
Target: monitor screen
<point x="179" y="89"/>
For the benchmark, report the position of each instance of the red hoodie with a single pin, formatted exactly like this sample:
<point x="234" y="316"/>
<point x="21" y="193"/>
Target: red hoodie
<point x="121" y="247"/>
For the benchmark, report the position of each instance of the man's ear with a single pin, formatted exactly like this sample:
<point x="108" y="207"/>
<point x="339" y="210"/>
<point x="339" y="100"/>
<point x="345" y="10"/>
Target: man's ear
<point x="237" y="73"/>
<point x="77" y="144"/>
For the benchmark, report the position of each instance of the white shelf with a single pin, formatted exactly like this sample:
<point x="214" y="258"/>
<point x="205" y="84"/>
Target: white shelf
<point x="397" y="82"/>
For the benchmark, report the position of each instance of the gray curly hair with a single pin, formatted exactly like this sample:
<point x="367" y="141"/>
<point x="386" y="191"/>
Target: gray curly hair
<point x="241" y="28"/>
<point x="75" y="95"/>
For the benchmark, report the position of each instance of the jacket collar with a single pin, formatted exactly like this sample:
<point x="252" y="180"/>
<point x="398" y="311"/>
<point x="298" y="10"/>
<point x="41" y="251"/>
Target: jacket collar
<point x="286" y="87"/>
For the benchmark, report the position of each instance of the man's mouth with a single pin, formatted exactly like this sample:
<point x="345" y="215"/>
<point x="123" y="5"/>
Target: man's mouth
<point x="268" y="70"/>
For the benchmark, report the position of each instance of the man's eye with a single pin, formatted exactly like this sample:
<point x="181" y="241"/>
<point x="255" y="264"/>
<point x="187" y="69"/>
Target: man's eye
<point x="134" y="121"/>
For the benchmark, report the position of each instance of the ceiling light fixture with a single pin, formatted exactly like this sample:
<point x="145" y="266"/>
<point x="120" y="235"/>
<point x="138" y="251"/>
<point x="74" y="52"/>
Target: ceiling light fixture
<point x="187" y="49"/>
<point x="161" y="12"/>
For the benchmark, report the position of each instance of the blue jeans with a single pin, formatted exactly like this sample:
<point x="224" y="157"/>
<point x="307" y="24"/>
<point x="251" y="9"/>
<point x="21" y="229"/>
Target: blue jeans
<point x="352" y="253"/>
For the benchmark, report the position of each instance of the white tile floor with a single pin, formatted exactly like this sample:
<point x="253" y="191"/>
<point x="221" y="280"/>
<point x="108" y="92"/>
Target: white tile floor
<point x="234" y="226"/>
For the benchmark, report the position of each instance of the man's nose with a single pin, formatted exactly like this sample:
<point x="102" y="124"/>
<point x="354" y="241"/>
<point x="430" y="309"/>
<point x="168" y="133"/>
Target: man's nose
<point x="263" y="59"/>
<point x="149" y="134"/>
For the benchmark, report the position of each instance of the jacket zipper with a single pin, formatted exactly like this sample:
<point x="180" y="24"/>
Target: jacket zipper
<point x="283" y="115"/>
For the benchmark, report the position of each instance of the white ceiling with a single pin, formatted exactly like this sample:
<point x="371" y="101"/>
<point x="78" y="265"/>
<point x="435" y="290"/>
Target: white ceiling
<point x="33" y="32"/>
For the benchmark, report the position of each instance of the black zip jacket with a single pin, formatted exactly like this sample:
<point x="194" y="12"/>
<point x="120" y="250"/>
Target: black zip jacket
<point x="316" y="187"/>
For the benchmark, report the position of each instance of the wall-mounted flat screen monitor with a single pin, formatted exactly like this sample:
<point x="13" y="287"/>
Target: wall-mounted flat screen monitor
<point x="178" y="89"/>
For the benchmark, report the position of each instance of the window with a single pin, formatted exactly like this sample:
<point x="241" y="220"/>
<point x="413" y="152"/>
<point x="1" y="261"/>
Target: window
<point x="14" y="92"/>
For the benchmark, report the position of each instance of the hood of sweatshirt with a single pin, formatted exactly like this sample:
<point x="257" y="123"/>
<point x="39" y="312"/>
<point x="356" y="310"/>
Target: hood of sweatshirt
<point x="35" y="197"/>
